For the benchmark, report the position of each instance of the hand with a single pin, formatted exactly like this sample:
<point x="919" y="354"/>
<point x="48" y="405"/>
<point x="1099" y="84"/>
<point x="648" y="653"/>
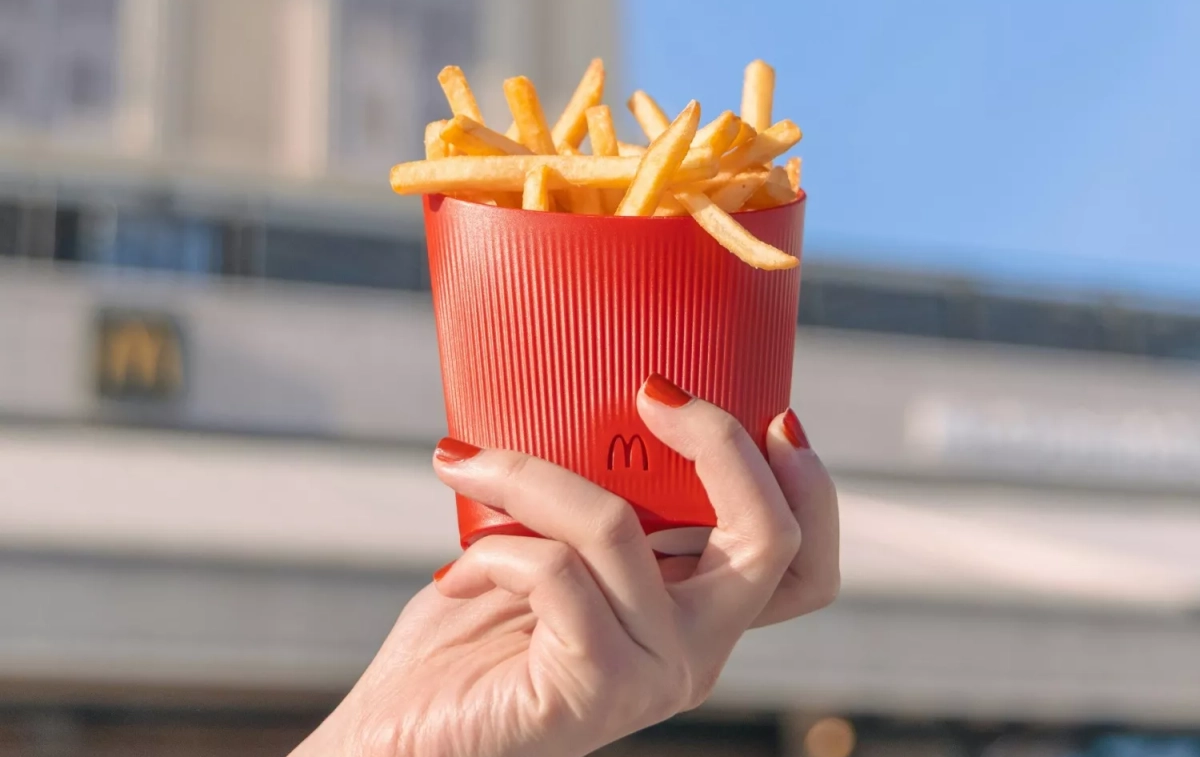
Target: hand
<point x="560" y="645"/>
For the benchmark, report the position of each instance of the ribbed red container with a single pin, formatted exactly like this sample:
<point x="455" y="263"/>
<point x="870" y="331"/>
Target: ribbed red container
<point x="549" y="323"/>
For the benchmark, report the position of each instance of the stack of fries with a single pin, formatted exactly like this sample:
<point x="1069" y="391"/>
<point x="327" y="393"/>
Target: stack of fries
<point x="707" y="172"/>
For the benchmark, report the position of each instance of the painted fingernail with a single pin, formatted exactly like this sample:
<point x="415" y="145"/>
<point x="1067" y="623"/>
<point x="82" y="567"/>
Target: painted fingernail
<point x="441" y="572"/>
<point x="794" y="431"/>
<point x="450" y="450"/>
<point x="660" y="390"/>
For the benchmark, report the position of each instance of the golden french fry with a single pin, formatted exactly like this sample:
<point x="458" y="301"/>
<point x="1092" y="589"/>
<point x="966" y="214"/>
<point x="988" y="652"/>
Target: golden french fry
<point x="435" y="148"/>
<point x="732" y="235"/>
<point x="719" y="133"/>
<point x="627" y="149"/>
<point x="649" y="116"/>
<point x="746" y="133"/>
<point x="473" y="138"/>
<point x="506" y="173"/>
<point x="459" y="94"/>
<point x="776" y="190"/>
<point x="572" y="124"/>
<point x="793" y="172"/>
<point x="658" y="166"/>
<point x="764" y="148"/>
<point x="603" y="136"/>
<point x="527" y="113"/>
<point x="758" y="94"/>
<point x="722" y="179"/>
<point x="583" y="200"/>
<point x="734" y="195"/>
<point x="601" y="131"/>
<point x="669" y="206"/>
<point x="536" y="195"/>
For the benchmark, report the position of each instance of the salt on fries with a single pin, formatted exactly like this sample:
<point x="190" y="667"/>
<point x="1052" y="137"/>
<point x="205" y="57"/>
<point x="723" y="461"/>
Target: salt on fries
<point x="708" y="172"/>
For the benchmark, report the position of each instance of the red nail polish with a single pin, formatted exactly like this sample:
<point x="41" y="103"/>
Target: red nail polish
<point x="659" y="389"/>
<point x="794" y="431"/>
<point x="441" y="572"/>
<point x="450" y="450"/>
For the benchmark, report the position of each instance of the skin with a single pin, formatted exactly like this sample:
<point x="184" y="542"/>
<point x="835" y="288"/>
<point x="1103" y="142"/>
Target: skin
<point x="561" y="645"/>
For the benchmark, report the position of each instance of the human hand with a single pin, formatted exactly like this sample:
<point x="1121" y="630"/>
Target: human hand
<point x="560" y="645"/>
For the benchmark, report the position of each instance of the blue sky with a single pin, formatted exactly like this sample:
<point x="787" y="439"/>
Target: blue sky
<point x="1019" y="140"/>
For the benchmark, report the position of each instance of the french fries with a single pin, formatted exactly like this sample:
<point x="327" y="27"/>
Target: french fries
<point x="572" y="124"/>
<point x="535" y="194"/>
<point x="718" y="134"/>
<point x="527" y="114"/>
<point x="649" y="116"/>
<point x="793" y="172"/>
<point x="435" y="148"/>
<point x="758" y="94"/>
<point x="506" y="173"/>
<point x="775" y="190"/>
<point x="732" y="235"/>
<point x="603" y="136"/>
<point x="764" y="148"/>
<point x="473" y="138"/>
<point x="741" y="188"/>
<point x="662" y="159"/>
<point x="707" y="172"/>
<point x="459" y="94"/>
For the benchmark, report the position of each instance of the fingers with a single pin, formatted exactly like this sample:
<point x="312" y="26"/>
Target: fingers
<point x="561" y="591"/>
<point x="756" y="537"/>
<point x="599" y="526"/>
<point x="813" y="579"/>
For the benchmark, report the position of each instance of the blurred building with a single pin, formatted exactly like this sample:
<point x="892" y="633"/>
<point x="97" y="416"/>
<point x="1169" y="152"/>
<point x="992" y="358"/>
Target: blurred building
<point x="219" y="390"/>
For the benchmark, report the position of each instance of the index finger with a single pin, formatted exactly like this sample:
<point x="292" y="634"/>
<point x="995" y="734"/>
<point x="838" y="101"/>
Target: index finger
<point x="756" y="536"/>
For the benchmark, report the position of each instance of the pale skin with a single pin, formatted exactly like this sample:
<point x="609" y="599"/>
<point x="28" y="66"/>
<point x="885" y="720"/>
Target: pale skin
<point x="561" y="645"/>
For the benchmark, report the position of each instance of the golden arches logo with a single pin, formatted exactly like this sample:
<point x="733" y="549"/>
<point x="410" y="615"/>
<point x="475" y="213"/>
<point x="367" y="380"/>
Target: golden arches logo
<point x="627" y="449"/>
<point x="139" y="356"/>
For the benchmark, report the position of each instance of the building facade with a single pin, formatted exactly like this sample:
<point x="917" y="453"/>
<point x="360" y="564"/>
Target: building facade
<point x="219" y="388"/>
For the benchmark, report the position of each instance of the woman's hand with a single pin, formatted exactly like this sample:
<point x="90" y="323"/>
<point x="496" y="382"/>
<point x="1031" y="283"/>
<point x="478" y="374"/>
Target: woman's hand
<point x="560" y="645"/>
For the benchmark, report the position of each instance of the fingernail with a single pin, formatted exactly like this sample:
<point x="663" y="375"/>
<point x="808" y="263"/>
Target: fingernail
<point x="441" y="572"/>
<point x="794" y="431"/>
<point x="660" y="390"/>
<point x="450" y="450"/>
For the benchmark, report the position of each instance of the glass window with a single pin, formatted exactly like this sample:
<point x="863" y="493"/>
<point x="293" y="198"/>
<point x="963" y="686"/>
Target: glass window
<point x="150" y="242"/>
<point x="1041" y="324"/>
<point x="330" y="258"/>
<point x="10" y="217"/>
<point x="858" y="307"/>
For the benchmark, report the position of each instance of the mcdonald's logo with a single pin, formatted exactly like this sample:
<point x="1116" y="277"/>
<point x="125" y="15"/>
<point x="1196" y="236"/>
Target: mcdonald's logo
<point x="627" y="449"/>
<point x="139" y="356"/>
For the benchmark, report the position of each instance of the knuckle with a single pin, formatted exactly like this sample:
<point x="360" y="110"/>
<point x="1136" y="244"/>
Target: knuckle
<point x="615" y="524"/>
<point x="561" y="561"/>
<point x="725" y="430"/>
<point x="517" y="465"/>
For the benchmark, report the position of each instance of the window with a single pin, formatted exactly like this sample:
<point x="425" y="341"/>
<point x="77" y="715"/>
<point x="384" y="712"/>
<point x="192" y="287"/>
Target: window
<point x="864" y="308"/>
<point x="10" y="217"/>
<point x="148" y="241"/>
<point x="353" y="260"/>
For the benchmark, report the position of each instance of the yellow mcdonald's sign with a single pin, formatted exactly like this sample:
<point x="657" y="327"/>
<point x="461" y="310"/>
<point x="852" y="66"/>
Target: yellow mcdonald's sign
<point x="139" y="356"/>
<point x="627" y="449"/>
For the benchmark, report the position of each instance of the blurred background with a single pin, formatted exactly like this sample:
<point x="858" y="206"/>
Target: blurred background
<point x="219" y="386"/>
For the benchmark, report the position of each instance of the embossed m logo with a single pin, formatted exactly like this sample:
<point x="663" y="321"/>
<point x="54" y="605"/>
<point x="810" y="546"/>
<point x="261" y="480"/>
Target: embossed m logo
<point x="627" y="449"/>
